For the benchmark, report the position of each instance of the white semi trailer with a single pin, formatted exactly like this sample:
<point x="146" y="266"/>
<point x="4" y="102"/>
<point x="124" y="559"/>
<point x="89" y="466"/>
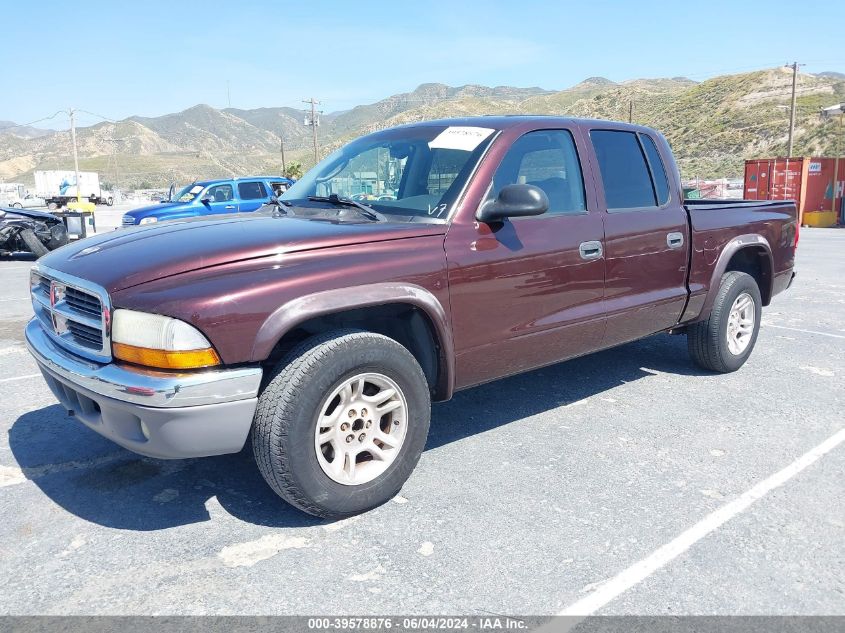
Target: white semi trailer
<point x="58" y="188"/>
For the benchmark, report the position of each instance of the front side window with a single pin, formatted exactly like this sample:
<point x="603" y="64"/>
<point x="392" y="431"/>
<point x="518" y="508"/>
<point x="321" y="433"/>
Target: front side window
<point x="251" y="190"/>
<point x="220" y="193"/>
<point x="414" y="173"/>
<point x="546" y="159"/>
<point x="624" y="172"/>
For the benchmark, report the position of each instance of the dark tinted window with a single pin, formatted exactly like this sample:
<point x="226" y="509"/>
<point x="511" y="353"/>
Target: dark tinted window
<point x="251" y="190"/>
<point x="624" y="173"/>
<point x="661" y="183"/>
<point x="546" y="159"/>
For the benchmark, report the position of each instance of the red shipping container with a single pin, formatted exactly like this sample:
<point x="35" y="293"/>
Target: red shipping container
<point x="808" y="181"/>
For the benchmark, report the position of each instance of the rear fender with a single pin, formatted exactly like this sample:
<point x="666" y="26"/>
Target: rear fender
<point x="752" y="241"/>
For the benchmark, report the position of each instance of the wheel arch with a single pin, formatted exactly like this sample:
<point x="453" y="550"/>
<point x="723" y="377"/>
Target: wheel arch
<point x="407" y="313"/>
<point x="750" y="254"/>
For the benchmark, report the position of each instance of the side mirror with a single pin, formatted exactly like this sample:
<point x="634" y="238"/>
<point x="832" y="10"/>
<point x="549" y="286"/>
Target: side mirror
<point x="514" y="201"/>
<point x="207" y="201"/>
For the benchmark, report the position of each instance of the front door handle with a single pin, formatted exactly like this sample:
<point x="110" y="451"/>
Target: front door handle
<point x="675" y="240"/>
<point x="229" y="206"/>
<point x="590" y="250"/>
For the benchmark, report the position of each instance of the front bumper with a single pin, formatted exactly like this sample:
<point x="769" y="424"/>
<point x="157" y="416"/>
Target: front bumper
<point x="159" y="414"/>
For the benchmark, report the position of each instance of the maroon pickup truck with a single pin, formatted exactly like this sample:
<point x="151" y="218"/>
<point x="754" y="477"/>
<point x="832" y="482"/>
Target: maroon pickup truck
<point x="409" y="264"/>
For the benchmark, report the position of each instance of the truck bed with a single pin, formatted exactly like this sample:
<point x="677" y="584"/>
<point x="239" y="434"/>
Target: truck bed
<point x="717" y="225"/>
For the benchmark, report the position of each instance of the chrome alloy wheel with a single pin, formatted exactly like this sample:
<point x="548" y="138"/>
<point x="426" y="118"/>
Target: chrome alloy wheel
<point x="740" y="324"/>
<point x="360" y="428"/>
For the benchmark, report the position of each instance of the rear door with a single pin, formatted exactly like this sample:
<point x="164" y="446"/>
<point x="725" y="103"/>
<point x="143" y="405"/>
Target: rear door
<point x="251" y="195"/>
<point x="646" y="234"/>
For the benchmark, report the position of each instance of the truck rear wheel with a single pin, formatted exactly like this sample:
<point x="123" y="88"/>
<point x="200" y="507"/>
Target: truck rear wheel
<point x="341" y="423"/>
<point x="723" y="342"/>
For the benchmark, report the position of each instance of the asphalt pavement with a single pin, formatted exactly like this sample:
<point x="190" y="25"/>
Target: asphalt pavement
<point x="629" y="479"/>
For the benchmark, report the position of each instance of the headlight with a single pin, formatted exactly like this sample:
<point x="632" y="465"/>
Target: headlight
<point x="159" y="341"/>
<point x="148" y="220"/>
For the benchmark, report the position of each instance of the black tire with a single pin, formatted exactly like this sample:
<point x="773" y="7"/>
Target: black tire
<point x="284" y="423"/>
<point x="110" y="202"/>
<point x="33" y="243"/>
<point x="17" y="205"/>
<point x="707" y="340"/>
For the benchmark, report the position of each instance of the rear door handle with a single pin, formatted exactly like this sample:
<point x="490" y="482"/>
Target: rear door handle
<point x="675" y="240"/>
<point x="590" y="250"/>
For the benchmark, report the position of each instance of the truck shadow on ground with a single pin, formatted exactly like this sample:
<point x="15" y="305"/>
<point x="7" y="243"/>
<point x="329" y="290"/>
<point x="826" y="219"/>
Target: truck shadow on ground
<point x="97" y="481"/>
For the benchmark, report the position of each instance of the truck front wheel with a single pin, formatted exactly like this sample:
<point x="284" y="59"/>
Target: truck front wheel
<point x="342" y="423"/>
<point x="724" y="341"/>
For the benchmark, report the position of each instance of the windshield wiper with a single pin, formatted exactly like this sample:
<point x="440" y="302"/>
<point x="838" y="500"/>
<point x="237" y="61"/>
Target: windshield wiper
<point x="282" y="206"/>
<point x="367" y="212"/>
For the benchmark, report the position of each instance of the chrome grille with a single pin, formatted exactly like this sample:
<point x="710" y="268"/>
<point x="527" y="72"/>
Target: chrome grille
<point x="128" y="220"/>
<point x="84" y="302"/>
<point x="74" y="312"/>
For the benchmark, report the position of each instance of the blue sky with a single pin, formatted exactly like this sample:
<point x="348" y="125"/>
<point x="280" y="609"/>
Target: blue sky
<point x="153" y="57"/>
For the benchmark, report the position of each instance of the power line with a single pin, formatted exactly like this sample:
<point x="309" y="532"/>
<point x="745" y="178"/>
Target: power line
<point x="46" y="118"/>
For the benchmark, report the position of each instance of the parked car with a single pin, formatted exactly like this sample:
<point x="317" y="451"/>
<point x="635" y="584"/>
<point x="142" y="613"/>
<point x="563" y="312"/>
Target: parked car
<point x="33" y="231"/>
<point x="29" y="201"/>
<point x="211" y="197"/>
<point x="322" y="328"/>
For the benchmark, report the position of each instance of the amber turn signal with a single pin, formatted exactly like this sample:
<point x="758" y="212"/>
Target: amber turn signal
<point x="165" y="359"/>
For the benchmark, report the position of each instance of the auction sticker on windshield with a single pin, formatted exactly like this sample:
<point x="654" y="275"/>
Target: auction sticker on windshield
<point x="460" y="137"/>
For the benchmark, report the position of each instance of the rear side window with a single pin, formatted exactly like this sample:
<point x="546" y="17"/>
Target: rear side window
<point x="624" y="172"/>
<point x="252" y="190"/>
<point x="661" y="183"/>
<point x="546" y="159"/>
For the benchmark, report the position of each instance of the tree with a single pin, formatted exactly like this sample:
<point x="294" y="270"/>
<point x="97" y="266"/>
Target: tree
<point x="293" y="171"/>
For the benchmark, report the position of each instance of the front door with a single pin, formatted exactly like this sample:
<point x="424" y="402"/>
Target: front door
<point x="528" y="292"/>
<point x="220" y="199"/>
<point x="646" y="236"/>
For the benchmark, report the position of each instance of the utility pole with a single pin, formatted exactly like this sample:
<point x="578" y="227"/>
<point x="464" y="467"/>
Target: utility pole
<point x="228" y="94"/>
<point x="313" y="122"/>
<point x="631" y="111"/>
<point x="72" y="113"/>
<point x="794" y="66"/>
<point x="282" y="149"/>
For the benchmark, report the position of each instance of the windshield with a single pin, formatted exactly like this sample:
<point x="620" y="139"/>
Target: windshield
<point x="414" y="172"/>
<point x="188" y="193"/>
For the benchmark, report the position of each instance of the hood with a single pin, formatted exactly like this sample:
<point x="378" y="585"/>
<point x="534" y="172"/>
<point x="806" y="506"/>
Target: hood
<point x="128" y="257"/>
<point x="26" y="213"/>
<point x="142" y="212"/>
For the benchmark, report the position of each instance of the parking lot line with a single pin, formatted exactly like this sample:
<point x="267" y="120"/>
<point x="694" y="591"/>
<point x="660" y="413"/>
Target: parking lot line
<point x="19" y="378"/>
<point x="16" y="299"/>
<point x="795" y="329"/>
<point x="639" y="571"/>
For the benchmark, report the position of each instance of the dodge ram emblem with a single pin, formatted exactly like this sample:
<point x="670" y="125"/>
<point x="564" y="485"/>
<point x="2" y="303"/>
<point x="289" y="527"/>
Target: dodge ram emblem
<point x="57" y="293"/>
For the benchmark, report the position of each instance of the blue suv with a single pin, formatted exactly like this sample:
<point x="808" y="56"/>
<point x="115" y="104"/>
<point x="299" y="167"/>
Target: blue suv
<point x="212" y="197"/>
